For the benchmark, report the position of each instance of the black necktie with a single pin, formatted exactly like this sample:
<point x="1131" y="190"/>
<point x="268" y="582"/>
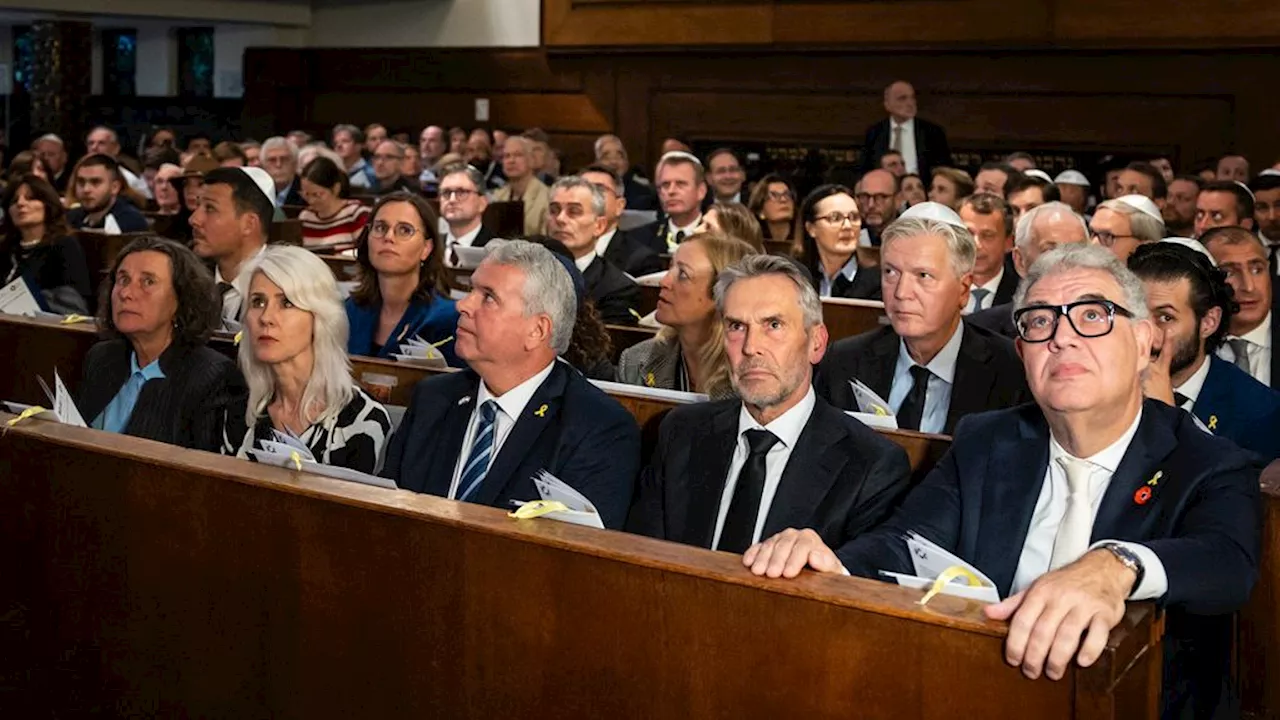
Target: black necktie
<point x="740" y="523"/>
<point x="1179" y="399"/>
<point x="224" y="288"/>
<point x="912" y="410"/>
<point x="679" y="237"/>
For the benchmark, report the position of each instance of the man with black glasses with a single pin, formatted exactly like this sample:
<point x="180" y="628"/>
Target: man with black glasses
<point x="462" y="205"/>
<point x="1089" y="498"/>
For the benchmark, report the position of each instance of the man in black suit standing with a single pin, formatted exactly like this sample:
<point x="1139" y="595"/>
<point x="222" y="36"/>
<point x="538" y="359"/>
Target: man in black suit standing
<point x="576" y="217"/>
<point x="923" y="144"/>
<point x="462" y="205"/>
<point x="624" y="249"/>
<point x="728" y="473"/>
<point x="1089" y="498"/>
<point x="481" y="435"/>
<point x="932" y="368"/>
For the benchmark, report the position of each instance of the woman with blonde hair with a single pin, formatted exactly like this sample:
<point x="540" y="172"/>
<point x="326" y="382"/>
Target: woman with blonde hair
<point x="689" y="352"/>
<point x="293" y="355"/>
<point x="735" y="220"/>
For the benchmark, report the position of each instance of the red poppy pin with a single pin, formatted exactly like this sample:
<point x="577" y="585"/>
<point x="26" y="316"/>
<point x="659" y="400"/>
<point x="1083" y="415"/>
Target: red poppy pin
<point x="1143" y="495"/>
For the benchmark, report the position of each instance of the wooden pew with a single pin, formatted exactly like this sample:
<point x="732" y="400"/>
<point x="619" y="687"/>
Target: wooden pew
<point x="1258" y="639"/>
<point x="157" y="581"/>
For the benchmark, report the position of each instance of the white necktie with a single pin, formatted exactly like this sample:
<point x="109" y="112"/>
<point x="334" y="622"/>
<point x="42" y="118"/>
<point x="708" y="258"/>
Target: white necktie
<point x="1077" y="521"/>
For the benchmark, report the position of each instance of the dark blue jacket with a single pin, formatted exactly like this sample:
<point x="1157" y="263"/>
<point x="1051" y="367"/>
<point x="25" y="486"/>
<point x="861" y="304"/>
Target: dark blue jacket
<point x="433" y="322"/>
<point x="1234" y="405"/>
<point x="128" y="217"/>
<point x="570" y="428"/>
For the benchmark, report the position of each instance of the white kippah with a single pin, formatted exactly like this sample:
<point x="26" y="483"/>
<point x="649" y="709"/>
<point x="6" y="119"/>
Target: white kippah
<point x="262" y="180"/>
<point x="934" y="211"/>
<point x="1072" y="177"/>
<point x="1142" y="204"/>
<point x="1193" y="244"/>
<point x="680" y="155"/>
<point x="1270" y="171"/>
<point x="1246" y="189"/>
<point x="1038" y="173"/>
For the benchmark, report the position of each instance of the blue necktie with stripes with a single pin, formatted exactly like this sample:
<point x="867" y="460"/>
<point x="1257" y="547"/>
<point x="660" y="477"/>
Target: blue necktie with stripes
<point x="481" y="452"/>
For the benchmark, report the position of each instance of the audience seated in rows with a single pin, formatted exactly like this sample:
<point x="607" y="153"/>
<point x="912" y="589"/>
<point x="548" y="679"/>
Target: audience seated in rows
<point x="37" y="248"/>
<point x="332" y="220"/>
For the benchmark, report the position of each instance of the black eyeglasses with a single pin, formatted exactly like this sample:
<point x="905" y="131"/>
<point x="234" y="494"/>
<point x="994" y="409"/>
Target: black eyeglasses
<point x="1107" y="239"/>
<point x="1089" y="318"/>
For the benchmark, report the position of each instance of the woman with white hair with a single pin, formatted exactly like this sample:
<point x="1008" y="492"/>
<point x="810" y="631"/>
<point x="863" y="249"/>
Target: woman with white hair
<point x="293" y="355"/>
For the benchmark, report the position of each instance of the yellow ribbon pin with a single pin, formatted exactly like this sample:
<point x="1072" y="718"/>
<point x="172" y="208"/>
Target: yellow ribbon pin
<point x="650" y="380"/>
<point x="542" y="411"/>
<point x="1213" y="422"/>
<point x="73" y="318"/>
<point x="239" y="335"/>
<point x="951" y="573"/>
<point x="1155" y="479"/>
<point x="297" y="460"/>
<point x="28" y="413"/>
<point x="537" y="508"/>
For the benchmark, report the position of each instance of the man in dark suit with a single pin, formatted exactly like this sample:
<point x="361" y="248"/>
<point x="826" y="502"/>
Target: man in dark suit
<point x="1088" y="499"/>
<point x="638" y="191"/>
<point x="576" y="218"/>
<point x="726" y="180"/>
<point x="1039" y="230"/>
<point x="932" y="368"/>
<point x="1191" y="302"/>
<point x="624" y="249"/>
<point x="991" y="223"/>
<point x="1252" y="338"/>
<point x="728" y="473"/>
<point x="681" y="189"/>
<point x="481" y="435"/>
<point x="462" y="205"/>
<point x="279" y="158"/>
<point x="923" y="144"/>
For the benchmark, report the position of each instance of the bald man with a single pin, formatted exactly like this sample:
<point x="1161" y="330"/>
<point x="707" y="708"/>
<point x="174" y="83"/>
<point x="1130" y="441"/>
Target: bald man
<point x="923" y="144"/>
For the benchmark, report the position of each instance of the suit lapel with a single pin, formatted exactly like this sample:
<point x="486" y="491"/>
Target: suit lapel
<point x="1121" y="515"/>
<point x="453" y="430"/>
<point x="709" y="461"/>
<point x="1008" y="283"/>
<point x="1213" y="395"/>
<point x="812" y="469"/>
<point x="1010" y="487"/>
<point x="877" y="369"/>
<point x="541" y="413"/>
<point x="661" y="366"/>
<point x="973" y="380"/>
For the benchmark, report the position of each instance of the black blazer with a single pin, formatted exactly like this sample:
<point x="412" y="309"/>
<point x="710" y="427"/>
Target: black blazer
<point x="633" y="254"/>
<point x="52" y="265"/>
<point x="201" y="390"/>
<point x="865" y="284"/>
<point x="653" y="235"/>
<point x="616" y="295"/>
<point x="1008" y="283"/>
<point x="997" y="319"/>
<point x="294" y="196"/>
<point x="1203" y="520"/>
<point x="1275" y="336"/>
<point x="932" y="149"/>
<point x="989" y="375"/>
<point x="570" y="428"/>
<point x="841" y="479"/>
<point x="639" y="191"/>
<point x="483" y="237"/>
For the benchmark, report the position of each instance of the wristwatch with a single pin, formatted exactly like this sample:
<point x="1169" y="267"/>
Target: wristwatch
<point x="1129" y="559"/>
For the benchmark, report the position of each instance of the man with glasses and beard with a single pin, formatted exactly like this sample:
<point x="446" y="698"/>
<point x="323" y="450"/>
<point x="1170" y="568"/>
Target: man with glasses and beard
<point x="1191" y="304"/>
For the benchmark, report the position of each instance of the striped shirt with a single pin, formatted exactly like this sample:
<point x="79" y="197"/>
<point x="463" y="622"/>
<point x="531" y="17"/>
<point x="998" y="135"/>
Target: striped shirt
<point x="337" y="232"/>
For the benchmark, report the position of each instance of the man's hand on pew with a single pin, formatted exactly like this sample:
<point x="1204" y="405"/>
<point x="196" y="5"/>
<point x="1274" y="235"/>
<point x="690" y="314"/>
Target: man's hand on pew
<point x="1048" y="619"/>
<point x="789" y="552"/>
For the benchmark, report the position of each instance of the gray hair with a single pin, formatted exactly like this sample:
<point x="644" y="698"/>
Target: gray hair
<point x="962" y="250"/>
<point x="572" y="182"/>
<point x="464" y="169"/>
<point x="1085" y="257"/>
<point x="310" y="286"/>
<point x="1024" y="235"/>
<point x="600" y="141"/>
<point x="1141" y="225"/>
<point x="754" y="266"/>
<point x="548" y="289"/>
<point x="357" y="135"/>
<point x="278" y="142"/>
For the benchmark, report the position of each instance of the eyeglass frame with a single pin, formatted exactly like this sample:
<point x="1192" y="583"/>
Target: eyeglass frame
<point x="1099" y="233"/>
<point x="390" y="230"/>
<point x="1060" y="311"/>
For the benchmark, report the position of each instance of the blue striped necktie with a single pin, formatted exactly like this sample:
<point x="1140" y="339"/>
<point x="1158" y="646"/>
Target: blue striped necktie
<point x="481" y="451"/>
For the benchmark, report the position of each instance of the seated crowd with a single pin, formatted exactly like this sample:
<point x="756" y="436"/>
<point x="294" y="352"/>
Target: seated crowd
<point x="1104" y="364"/>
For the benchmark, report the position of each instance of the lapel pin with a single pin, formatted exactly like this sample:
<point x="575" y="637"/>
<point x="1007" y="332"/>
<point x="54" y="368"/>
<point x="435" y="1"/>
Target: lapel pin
<point x="542" y="411"/>
<point x="650" y="380"/>
<point x="1142" y="496"/>
<point x="1155" y="479"/>
<point x="464" y="400"/>
<point x="1213" y="422"/>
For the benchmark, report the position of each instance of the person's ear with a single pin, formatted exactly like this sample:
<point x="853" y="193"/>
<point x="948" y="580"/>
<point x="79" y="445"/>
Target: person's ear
<point x="1210" y="322"/>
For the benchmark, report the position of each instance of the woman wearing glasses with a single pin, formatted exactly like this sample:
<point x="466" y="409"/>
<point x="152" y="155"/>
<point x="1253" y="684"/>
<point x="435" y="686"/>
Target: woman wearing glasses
<point x="402" y="292"/>
<point x="832" y="227"/>
<point x="332" y="220"/>
<point x="773" y="200"/>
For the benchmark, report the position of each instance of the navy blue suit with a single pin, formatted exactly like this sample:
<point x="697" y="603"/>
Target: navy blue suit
<point x="1203" y="520"/>
<point x="570" y="428"/>
<point x="1236" y="406"/>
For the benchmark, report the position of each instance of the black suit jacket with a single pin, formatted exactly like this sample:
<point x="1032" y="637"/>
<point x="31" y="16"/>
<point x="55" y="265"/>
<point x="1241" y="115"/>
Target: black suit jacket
<point x="652" y="235"/>
<point x="1203" y="520"/>
<point x="1275" y="336"/>
<point x="932" y="149"/>
<point x="483" y="237"/>
<point x="989" y="375"/>
<point x="997" y="319"/>
<point x="841" y="479"/>
<point x="616" y="295"/>
<point x="639" y="192"/>
<point x="294" y="196"/>
<point x="570" y="428"/>
<point x="865" y="285"/>
<point x="200" y="392"/>
<point x="632" y="254"/>
<point x="1008" y="283"/>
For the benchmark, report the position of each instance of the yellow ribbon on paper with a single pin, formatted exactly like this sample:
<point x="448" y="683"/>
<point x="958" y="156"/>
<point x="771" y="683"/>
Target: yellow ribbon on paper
<point x="29" y="412"/>
<point x="537" y="508"/>
<point x="297" y="460"/>
<point x="946" y="576"/>
<point x="880" y="410"/>
<point x="73" y="318"/>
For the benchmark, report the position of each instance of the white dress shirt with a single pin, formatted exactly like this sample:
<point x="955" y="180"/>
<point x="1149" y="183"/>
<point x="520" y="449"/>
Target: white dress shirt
<point x="602" y="242"/>
<point x="673" y="230"/>
<point x="511" y="406"/>
<point x="787" y="428"/>
<point x="991" y="286"/>
<point x="908" y="146"/>
<point x="1260" y="351"/>
<point x="1191" y="388"/>
<point x="1052" y="505"/>
<point x="584" y="262"/>
<point x="849" y="271"/>
<point x="234" y="298"/>
<point x="942" y="369"/>
<point x="465" y="240"/>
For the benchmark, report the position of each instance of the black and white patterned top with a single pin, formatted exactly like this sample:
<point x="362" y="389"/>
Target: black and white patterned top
<point x="354" y="439"/>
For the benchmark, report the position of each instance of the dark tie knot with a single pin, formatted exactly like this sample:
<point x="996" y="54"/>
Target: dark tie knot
<point x="680" y="236"/>
<point x="488" y="411"/>
<point x="760" y="441"/>
<point x="224" y="287"/>
<point x="920" y="374"/>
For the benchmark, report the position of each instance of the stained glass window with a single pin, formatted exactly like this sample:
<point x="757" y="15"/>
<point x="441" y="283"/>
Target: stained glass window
<point x="119" y="62"/>
<point x="195" y="61"/>
<point x="24" y="56"/>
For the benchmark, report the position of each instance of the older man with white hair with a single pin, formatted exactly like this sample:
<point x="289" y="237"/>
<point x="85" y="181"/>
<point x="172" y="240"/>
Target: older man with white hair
<point x="1122" y="224"/>
<point x="279" y="158"/>
<point x="481" y="436"/>
<point x="1089" y="498"/>
<point x="53" y="152"/>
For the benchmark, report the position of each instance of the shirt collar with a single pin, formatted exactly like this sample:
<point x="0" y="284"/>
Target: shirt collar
<point x="787" y="426"/>
<point x="585" y="261"/>
<point x="994" y="283"/>
<point x="513" y="401"/>
<point x="466" y="239"/>
<point x="1261" y="335"/>
<point x="1191" y="388"/>
<point x="687" y="229"/>
<point x="1109" y="457"/>
<point x="850" y="268"/>
<point x="151" y="372"/>
<point x="910" y="123"/>
<point x="943" y="364"/>
<point x="217" y="272"/>
<point x="602" y="242"/>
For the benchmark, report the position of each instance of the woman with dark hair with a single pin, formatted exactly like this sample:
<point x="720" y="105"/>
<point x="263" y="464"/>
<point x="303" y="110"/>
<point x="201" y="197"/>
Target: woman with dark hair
<point x="402" y="292"/>
<point x="912" y="191"/>
<point x="38" y="247"/>
<point x="153" y="376"/>
<point x="773" y="201"/>
<point x="832" y="229"/>
<point x="332" y="220"/>
<point x="28" y="163"/>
